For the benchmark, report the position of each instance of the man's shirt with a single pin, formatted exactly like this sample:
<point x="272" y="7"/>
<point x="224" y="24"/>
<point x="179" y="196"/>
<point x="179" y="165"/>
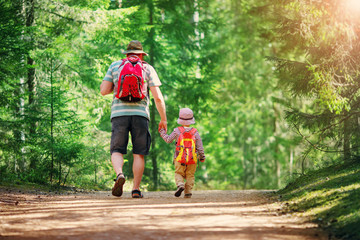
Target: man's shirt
<point x="122" y="108"/>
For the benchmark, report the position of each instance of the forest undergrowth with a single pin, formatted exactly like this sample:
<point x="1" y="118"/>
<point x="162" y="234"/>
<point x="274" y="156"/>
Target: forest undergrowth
<point x="329" y="197"/>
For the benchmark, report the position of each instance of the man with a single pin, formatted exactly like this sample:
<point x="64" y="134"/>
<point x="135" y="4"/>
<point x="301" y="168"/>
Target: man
<point x="132" y="117"/>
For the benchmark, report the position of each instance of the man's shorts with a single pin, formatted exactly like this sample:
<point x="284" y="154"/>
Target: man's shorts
<point x="138" y="127"/>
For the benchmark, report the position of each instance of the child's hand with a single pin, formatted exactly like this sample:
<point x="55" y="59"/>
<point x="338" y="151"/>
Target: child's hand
<point x="161" y="129"/>
<point x="162" y="124"/>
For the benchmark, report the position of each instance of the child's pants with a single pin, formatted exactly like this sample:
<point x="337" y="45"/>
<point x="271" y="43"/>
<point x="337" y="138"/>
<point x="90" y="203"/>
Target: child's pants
<point x="186" y="172"/>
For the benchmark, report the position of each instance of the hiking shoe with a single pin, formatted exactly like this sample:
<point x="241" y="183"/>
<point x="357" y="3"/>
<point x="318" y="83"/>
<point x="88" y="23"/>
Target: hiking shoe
<point x="117" y="190"/>
<point x="136" y="194"/>
<point x="179" y="190"/>
<point x="188" y="195"/>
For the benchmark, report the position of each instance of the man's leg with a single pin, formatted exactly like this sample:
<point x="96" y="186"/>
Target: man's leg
<point x="138" y="170"/>
<point x="117" y="160"/>
<point x="119" y="141"/>
<point x="141" y="140"/>
<point x="118" y="147"/>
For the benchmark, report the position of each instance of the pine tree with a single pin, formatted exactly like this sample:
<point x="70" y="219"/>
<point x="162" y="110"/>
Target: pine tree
<point x="323" y="39"/>
<point x="12" y="74"/>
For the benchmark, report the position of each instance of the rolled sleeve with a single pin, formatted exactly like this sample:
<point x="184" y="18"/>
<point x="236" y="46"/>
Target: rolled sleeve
<point x="109" y="77"/>
<point x="154" y="80"/>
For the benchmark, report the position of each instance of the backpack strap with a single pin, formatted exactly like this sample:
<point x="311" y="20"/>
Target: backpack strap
<point x="181" y="129"/>
<point x="122" y="63"/>
<point x="193" y="131"/>
<point x="119" y="80"/>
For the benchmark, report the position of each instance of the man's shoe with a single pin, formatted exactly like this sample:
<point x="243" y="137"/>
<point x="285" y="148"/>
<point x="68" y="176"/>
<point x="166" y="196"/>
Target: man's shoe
<point x="136" y="194"/>
<point x="117" y="190"/>
<point x="188" y="195"/>
<point x="179" y="190"/>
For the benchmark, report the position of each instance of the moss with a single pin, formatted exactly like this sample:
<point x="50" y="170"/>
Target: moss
<point x="330" y="197"/>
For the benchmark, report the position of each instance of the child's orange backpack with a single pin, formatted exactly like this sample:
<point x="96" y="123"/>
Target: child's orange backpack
<point x="186" y="147"/>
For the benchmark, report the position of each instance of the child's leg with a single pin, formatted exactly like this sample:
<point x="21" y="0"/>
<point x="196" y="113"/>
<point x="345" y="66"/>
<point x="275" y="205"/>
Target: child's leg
<point x="190" y="178"/>
<point x="179" y="174"/>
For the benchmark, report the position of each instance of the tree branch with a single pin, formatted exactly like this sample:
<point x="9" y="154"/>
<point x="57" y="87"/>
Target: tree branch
<point x="61" y="16"/>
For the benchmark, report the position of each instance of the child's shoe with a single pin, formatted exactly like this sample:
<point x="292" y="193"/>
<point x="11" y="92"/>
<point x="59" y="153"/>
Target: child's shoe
<point x="179" y="190"/>
<point x="188" y="195"/>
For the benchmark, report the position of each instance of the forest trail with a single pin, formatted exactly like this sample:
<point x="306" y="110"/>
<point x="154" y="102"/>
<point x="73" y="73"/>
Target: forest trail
<point x="248" y="214"/>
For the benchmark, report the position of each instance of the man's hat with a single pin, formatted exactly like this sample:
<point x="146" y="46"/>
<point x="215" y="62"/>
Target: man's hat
<point x="134" y="47"/>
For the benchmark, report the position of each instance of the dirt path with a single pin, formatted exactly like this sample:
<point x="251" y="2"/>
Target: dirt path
<point x="159" y="215"/>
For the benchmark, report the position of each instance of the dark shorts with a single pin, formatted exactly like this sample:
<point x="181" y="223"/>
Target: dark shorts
<point x="138" y="127"/>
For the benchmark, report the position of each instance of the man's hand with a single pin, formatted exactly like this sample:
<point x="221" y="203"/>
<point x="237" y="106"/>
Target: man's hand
<point x="160" y="106"/>
<point x="163" y="124"/>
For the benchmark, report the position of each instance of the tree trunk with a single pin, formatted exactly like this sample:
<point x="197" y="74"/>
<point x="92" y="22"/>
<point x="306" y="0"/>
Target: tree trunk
<point x="276" y="149"/>
<point x="19" y="163"/>
<point x="29" y="22"/>
<point x="278" y="173"/>
<point x="244" y="165"/>
<point x="95" y="170"/>
<point x="196" y="17"/>
<point x="52" y="121"/>
<point x="347" y="151"/>
<point x="19" y="134"/>
<point x="291" y="162"/>
<point x="153" y="127"/>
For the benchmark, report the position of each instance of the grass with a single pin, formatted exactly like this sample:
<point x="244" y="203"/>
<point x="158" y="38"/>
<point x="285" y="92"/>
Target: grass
<point x="35" y="188"/>
<point x="330" y="197"/>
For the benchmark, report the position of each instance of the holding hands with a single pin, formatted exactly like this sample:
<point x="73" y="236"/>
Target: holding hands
<point x="162" y="125"/>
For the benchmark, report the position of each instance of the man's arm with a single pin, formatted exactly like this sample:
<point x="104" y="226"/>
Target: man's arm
<point x="106" y="87"/>
<point x="160" y="106"/>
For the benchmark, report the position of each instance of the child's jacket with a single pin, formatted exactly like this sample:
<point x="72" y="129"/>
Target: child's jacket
<point x="175" y="134"/>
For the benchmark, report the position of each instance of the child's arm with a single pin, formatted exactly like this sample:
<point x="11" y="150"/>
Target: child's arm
<point x="199" y="147"/>
<point x="168" y="138"/>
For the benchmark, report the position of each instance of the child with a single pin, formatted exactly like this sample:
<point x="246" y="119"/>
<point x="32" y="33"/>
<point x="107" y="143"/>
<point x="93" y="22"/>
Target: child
<point x="188" y="146"/>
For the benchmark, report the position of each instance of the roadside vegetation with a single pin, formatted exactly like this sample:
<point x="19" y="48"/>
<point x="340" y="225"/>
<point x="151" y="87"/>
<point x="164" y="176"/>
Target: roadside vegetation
<point x="329" y="197"/>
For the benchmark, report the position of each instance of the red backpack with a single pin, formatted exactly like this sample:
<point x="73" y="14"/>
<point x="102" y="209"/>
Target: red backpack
<point x="186" y="147"/>
<point x="131" y="84"/>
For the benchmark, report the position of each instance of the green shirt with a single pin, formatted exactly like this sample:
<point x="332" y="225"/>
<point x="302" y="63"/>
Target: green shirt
<point x="122" y="108"/>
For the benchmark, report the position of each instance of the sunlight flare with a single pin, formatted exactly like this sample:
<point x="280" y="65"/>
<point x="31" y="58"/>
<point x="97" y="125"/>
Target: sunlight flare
<point x="353" y="6"/>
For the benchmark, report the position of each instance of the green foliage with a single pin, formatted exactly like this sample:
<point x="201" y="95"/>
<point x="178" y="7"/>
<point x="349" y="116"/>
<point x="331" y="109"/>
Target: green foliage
<point x="317" y="62"/>
<point x="246" y="122"/>
<point x="209" y="55"/>
<point x="12" y="52"/>
<point x="330" y="197"/>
